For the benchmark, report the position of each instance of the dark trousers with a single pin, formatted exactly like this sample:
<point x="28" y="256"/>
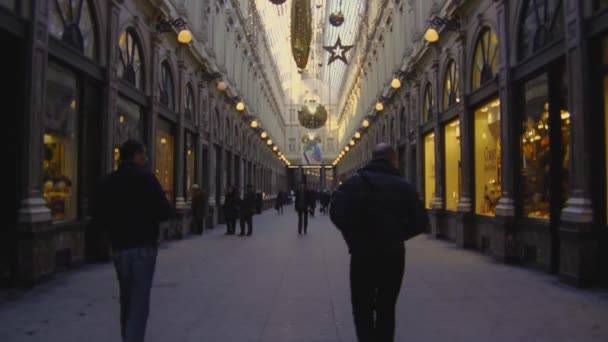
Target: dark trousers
<point x="135" y="271"/>
<point x="199" y="225"/>
<point x="302" y="220"/>
<point x="249" y="221"/>
<point x="375" y="282"/>
<point x="230" y="225"/>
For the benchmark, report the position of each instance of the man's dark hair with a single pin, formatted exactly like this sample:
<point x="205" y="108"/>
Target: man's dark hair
<point x="130" y="148"/>
<point x="384" y="151"/>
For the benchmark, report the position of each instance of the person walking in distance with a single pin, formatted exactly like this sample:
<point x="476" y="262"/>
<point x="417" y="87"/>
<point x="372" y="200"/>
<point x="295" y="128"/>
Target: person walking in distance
<point x="377" y="210"/>
<point x="231" y="210"/>
<point x="199" y="208"/>
<point x="247" y="206"/>
<point x="301" y="206"/>
<point x="130" y="204"/>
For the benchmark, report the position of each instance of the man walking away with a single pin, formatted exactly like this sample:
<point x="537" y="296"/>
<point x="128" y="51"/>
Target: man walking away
<point x="131" y="204"/>
<point x="231" y="202"/>
<point x="312" y="202"/>
<point x="377" y="210"/>
<point x="199" y="208"/>
<point x="301" y="205"/>
<point x="247" y="209"/>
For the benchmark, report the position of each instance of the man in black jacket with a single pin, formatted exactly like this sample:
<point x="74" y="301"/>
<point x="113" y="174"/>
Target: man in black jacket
<point x="247" y="206"/>
<point x="301" y="206"/>
<point x="130" y="205"/>
<point x="376" y="211"/>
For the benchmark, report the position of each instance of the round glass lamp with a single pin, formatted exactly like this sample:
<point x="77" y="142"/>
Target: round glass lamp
<point x="431" y="35"/>
<point x="240" y="106"/>
<point x="357" y="135"/>
<point x="264" y="135"/>
<point x="269" y="142"/>
<point x="365" y="123"/>
<point x="254" y="124"/>
<point x="222" y="86"/>
<point x="184" y="36"/>
<point x="379" y="106"/>
<point x="395" y="83"/>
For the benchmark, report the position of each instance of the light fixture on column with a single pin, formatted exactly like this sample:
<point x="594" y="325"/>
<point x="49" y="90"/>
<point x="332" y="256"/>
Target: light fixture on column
<point x="347" y="149"/>
<point x="254" y="124"/>
<point x="395" y="83"/>
<point x="269" y="142"/>
<point x="379" y="106"/>
<point x="357" y="135"/>
<point x="431" y="35"/>
<point x="222" y="86"/>
<point x="274" y="148"/>
<point x="352" y="143"/>
<point x="264" y="135"/>
<point x="365" y="123"/>
<point x="163" y="25"/>
<point x="240" y="106"/>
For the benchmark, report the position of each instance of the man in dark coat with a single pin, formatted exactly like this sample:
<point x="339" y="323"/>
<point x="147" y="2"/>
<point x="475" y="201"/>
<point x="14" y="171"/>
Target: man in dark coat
<point x="130" y="205"/>
<point x="301" y="206"/>
<point x="247" y="206"/>
<point x="199" y="208"/>
<point x="377" y="210"/>
<point x="231" y="210"/>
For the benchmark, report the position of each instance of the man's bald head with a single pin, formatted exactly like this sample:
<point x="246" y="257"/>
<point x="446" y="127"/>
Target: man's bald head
<point x="384" y="151"/>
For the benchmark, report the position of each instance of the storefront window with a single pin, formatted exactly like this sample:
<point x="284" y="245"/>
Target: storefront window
<point x="130" y="67"/>
<point x="538" y="149"/>
<point x="428" y="103"/>
<point x="165" y="144"/>
<point x="190" y="151"/>
<point x="127" y="125"/>
<point x="542" y="23"/>
<point x="485" y="61"/>
<point x="60" y="165"/>
<point x="72" y="22"/>
<point x="536" y="156"/>
<point x="487" y="158"/>
<point x="451" y="86"/>
<point x="452" y="165"/>
<point x="429" y="169"/>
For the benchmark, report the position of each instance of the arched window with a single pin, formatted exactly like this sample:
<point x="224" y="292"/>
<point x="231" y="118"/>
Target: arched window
<point x="451" y="86"/>
<point x="72" y="22"/>
<point x="542" y="23"/>
<point x="166" y="86"/>
<point x="403" y="122"/>
<point x="427" y="104"/>
<point x="131" y="65"/>
<point x="485" y="60"/>
<point x="189" y="108"/>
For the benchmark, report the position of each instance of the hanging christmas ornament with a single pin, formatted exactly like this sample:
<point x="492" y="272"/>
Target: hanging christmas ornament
<point x="337" y="18"/>
<point x="337" y="51"/>
<point x="310" y="119"/>
<point x="301" y="32"/>
<point x="278" y="2"/>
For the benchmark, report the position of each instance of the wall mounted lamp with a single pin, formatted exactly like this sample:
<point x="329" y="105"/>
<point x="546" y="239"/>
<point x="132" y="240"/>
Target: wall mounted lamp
<point x="431" y="35"/>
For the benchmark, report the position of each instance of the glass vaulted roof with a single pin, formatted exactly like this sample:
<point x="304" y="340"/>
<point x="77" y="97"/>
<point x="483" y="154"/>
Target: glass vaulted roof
<point x="319" y="80"/>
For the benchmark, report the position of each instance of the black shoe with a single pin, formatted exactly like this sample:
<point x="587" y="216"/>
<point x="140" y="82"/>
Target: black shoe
<point x="241" y="234"/>
<point x="248" y="234"/>
<point x="228" y="233"/>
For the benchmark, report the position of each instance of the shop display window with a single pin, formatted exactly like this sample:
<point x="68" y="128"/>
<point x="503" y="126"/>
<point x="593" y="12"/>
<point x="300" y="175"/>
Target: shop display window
<point x="453" y="175"/>
<point x="487" y="158"/>
<point x="538" y="148"/>
<point x="165" y="149"/>
<point x="190" y="152"/>
<point x="429" y="169"/>
<point x="127" y="125"/>
<point x="60" y="157"/>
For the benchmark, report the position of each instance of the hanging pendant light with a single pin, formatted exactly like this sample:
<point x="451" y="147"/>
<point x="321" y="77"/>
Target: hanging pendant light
<point x="278" y="2"/>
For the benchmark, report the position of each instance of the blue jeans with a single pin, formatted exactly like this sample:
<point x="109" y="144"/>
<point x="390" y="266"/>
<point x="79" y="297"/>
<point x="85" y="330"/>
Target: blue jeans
<point x="135" y="271"/>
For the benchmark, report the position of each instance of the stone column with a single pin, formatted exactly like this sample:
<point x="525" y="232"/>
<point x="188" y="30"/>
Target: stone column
<point x="33" y="212"/>
<point x="437" y="210"/>
<point x="579" y="247"/>
<point x="464" y="225"/>
<point x="180" y="201"/>
<point x="503" y="244"/>
<point x="152" y="115"/>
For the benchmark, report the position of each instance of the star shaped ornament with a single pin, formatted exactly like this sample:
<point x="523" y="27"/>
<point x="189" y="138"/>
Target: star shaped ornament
<point x="338" y="51"/>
